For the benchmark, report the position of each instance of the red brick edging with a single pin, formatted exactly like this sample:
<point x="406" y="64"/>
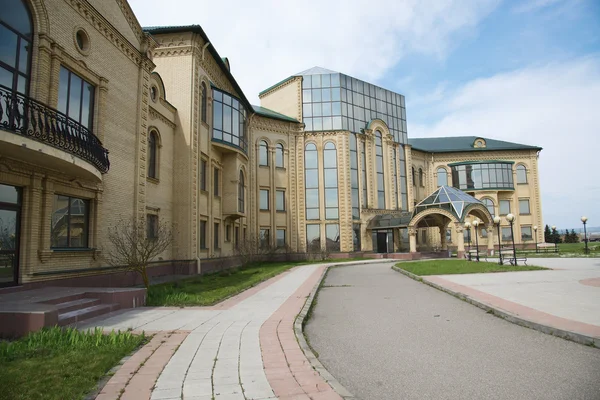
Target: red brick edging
<point x="288" y="371"/>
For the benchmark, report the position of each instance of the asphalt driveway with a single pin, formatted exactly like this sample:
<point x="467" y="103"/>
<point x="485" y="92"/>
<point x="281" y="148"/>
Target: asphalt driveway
<point x="385" y="336"/>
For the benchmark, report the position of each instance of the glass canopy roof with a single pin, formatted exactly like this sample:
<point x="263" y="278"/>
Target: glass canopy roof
<point x="387" y="221"/>
<point x="448" y="198"/>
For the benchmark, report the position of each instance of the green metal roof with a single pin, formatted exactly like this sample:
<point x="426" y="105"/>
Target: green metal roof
<point x="464" y="143"/>
<point x="265" y="112"/>
<point x="277" y="84"/>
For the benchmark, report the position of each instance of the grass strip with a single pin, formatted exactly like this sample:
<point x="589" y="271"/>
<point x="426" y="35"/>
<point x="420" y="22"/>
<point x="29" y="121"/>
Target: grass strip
<point x="449" y="267"/>
<point x="60" y="363"/>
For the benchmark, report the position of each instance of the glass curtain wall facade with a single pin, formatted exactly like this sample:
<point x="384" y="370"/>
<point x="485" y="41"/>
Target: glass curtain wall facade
<point x="496" y="175"/>
<point x="229" y="120"/>
<point x="311" y="181"/>
<point x="330" y="178"/>
<point x="339" y="102"/>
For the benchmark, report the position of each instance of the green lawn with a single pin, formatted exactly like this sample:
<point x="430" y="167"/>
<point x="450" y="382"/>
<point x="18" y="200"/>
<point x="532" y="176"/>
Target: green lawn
<point x="60" y="363"/>
<point x="447" y="267"/>
<point x="206" y="290"/>
<point x="567" y="250"/>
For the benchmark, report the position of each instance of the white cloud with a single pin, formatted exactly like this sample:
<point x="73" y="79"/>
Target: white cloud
<point x="552" y="106"/>
<point x="268" y="40"/>
<point x="533" y="5"/>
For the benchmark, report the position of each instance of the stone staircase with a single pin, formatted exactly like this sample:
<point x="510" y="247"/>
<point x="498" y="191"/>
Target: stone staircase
<point x="29" y="310"/>
<point x="76" y="308"/>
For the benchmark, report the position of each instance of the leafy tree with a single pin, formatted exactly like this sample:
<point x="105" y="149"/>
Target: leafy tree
<point x="548" y="235"/>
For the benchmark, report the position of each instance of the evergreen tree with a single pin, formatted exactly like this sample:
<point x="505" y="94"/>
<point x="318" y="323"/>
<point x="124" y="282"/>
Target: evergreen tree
<point x="567" y="237"/>
<point x="555" y="236"/>
<point x="574" y="236"/>
<point x="547" y="235"/>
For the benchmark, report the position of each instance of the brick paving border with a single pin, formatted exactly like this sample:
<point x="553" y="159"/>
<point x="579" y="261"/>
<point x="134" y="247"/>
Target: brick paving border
<point x="519" y="314"/>
<point x="135" y="379"/>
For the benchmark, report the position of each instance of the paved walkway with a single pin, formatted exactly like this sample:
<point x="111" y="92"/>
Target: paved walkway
<point x="567" y="297"/>
<point x="385" y="336"/>
<point x="244" y="348"/>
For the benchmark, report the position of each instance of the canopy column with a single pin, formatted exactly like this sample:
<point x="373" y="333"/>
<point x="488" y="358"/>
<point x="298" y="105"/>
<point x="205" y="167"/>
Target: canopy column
<point x="460" y="238"/>
<point x="412" y="235"/>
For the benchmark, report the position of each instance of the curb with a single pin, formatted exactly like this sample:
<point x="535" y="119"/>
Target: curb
<point x="549" y="330"/>
<point x="299" y="330"/>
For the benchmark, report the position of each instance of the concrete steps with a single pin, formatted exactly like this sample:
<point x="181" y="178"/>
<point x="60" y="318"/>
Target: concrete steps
<point x="83" y="313"/>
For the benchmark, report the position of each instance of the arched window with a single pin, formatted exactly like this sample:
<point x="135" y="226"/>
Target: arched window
<point x="489" y="204"/>
<point x="311" y="181"/>
<point x="421" y="183"/>
<point x="263" y="153"/>
<point x="152" y="155"/>
<point x="414" y="177"/>
<point x="204" y="101"/>
<point x="331" y="181"/>
<point x="241" y="193"/>
<point x="442" y="177"/>
<point x="279" y="155"/>
<point x="521" y="174"/>
<point x="17" y="34"/>
<point x="379" y="164"/>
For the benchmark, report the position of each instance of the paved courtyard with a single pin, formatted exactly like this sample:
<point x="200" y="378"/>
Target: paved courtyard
<point x="244" y="348"/>
<point x="386" y="336"/>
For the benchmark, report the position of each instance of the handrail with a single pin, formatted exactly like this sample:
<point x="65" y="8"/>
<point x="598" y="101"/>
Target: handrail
<point x="30" y="118"/>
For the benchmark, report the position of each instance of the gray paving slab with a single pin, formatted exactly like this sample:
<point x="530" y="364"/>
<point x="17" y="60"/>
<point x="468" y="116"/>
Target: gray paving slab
<point x="558" y="292"/>
<point x="385" y="336"/>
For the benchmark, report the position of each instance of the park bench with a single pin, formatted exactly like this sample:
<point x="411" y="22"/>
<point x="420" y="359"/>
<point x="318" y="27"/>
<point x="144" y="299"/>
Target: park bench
<point x="472" y="255"/>
<point x="508" y="255"/>
<point x="547" y="248"/>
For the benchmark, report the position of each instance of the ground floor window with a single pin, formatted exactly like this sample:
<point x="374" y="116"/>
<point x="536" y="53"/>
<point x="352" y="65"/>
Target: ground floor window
<point x="332" y="232"/>
<point x="264" y="238"/>
<point x="70" y="218"/>
<point x="202" y="234"/>
<point x="526" y="233"/>
<point x="280" y="237"/>
<point x="151" y="226"/>
<point x="506" y="234"/>
<point x="313" y="237"/>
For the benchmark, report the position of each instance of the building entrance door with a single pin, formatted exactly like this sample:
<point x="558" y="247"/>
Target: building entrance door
<point x="10" y="221"/>
<point x="382" y="242"/>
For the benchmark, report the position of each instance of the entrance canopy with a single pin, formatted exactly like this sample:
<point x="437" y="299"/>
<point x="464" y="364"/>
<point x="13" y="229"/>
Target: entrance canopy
<point x="450" y="199"/>
<point x="388" y="221"/>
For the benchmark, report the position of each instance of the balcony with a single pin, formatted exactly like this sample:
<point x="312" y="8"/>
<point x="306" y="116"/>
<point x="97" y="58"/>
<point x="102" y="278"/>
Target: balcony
<point x="31" y="119"/>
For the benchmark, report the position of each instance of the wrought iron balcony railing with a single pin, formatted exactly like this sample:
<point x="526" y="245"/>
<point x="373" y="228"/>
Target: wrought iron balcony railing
<point x="30" y="118"/>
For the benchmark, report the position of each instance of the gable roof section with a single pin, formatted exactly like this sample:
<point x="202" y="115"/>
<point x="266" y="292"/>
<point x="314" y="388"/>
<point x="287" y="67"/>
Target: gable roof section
<point x="265" y="112"/>
<point x="155" y="30"/>
<point x="464" y="143"/>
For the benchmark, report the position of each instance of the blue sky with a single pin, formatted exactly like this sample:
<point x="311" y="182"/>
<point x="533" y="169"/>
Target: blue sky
<point x="522" y="71"/>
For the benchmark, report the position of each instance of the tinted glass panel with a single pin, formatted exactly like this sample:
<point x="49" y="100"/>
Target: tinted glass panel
<point x="482" y="176"/>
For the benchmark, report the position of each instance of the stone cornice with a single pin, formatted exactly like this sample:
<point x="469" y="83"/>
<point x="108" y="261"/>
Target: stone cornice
<point x="131" y="19"/>
<point x="103" y="26"/>
<point x="155" y="114"/>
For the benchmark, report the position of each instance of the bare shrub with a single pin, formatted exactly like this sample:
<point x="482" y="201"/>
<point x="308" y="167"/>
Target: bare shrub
<point x="134" y="244"/>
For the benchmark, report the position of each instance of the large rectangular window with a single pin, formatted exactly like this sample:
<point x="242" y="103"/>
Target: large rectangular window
<point x="202" y="174"/>
<point x="483" y="175"/>
<point x="151" y="226"/>
<point x="216" y="182"/>
<point x="202" y="234"/>
<point x="280" y="200"/>
<point x="313" y="237"/>
<point x="264" y="199"/>
<point x="504" y="207"/>
<point x="216" y="236"/>
<point x="229" y="118"/>
<point x="280" y="237"/>
<point x="526" y="233"/>
<point x="70" y="218"/>
<point x="76" y="98"/>
<point x="264" y="238"/>
<point x="506" y="237"/>
<point x="524" y="207"/>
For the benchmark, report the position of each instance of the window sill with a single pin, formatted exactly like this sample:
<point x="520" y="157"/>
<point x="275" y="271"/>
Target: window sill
<point x="280" y="168"/>
<point x="156" y="181"/>
<point x="525" y="214"/>
<point x="263" y="166"/>
<point x="45" y="255"/>
<point x="205" y="124"/>
<point x="264" y="209"/>
<point x="281" y="211"/>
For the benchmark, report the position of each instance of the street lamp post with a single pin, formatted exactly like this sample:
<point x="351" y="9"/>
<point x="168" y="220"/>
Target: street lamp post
<point x="475" y="225"/>
<point x="535" y="237"/>
<point x="497" y="222"/>
<point x="584" y="220"/>
<point x="511" y="219"/>
<point x="468" y="228"/>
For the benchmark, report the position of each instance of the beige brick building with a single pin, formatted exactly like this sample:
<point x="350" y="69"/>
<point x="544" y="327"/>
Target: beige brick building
<point x="103" y="121"/>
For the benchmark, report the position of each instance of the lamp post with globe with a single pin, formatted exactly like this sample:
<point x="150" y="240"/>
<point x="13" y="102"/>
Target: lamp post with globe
<point x="584" y="220"/>
<point x="511" y="220"/>
<point x="497" y="221"/>
<point x="475" y="225"/>
<point x="468" y="228"/>
<point x="535" y="237"/>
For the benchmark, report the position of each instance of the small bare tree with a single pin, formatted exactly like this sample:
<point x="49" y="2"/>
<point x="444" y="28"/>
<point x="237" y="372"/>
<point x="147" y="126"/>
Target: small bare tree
<point x="134" y="244"/>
